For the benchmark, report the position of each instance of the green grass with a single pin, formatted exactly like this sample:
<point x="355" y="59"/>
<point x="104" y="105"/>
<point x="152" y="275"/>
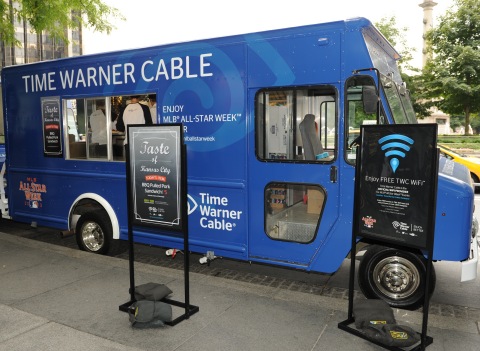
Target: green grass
<point x="471" y="142"/>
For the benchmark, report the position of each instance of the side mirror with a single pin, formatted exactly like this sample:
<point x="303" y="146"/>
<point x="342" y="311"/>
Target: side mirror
<point x="370" y="99"/>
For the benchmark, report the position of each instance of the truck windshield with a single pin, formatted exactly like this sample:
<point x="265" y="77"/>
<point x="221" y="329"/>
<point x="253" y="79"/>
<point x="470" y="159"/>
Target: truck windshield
<point x="399" y="101"/>
<point x="384" y="58"/>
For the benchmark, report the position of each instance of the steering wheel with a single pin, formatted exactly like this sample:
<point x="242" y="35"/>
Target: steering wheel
<point x="355" y="141"/>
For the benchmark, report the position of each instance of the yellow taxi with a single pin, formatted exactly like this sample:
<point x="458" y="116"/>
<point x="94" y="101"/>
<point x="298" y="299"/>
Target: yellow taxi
<point x="471" y="162"/>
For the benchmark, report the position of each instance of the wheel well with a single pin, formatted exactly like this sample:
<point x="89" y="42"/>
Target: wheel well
<point x="92" y="202"/>
<point x="86" y="205"/>
<point x="365" y="244"/>
<point x="80" y="208"/>
<point x="474" y="177"/>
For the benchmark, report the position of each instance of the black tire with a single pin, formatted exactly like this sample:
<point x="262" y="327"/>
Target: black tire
<point x="94" y="232"/>
<point x="396" y="276"/>
<point x="475" y="180"/>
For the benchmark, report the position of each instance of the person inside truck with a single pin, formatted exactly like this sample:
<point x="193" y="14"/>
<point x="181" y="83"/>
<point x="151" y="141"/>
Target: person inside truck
<point x="152" y="104"/>
<point x="133" y="113"/>
<point x="98" y="126"/>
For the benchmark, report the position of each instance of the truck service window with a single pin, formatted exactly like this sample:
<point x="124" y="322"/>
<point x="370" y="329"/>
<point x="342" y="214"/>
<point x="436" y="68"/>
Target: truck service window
<point x="90" y="128"/>
<point x="296" y="124"/>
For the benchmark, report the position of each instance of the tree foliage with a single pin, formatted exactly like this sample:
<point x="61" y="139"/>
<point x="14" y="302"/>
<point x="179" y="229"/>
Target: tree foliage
<point x="55" y="16"/>
<point x="452" y="74"/>
<point x="397" y="37"/>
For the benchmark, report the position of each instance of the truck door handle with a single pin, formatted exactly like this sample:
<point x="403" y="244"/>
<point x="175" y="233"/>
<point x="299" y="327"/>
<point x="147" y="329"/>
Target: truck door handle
<point x="333" y="174"/>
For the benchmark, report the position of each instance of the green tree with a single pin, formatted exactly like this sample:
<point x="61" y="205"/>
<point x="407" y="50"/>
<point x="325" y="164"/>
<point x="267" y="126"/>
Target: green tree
<point x="54" y="16"/>
<point x="397" y="37"/>
<point x="456" y="122"/>
<point x="452" y="74"/>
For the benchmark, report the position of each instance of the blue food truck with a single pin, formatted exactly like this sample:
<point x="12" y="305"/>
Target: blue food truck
<point x="269" y="121"/>
<point x="3" y="199"/>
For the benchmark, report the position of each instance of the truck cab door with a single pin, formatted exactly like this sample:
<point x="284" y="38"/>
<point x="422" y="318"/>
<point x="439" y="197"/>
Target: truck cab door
<point x="293" y="178"/>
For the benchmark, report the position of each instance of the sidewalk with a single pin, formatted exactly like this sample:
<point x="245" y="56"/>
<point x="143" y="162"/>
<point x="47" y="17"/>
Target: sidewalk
<point x="56" y="298"/>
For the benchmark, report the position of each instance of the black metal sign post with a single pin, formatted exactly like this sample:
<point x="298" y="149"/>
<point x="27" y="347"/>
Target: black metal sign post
<point x="395" y="196"/>
<point x="157" y="194"/>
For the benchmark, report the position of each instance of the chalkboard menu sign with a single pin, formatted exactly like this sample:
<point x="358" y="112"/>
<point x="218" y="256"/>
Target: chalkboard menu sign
<point x="155" y="162"/>
<point x="52" y="142"/>
<point x="396" y="183"/>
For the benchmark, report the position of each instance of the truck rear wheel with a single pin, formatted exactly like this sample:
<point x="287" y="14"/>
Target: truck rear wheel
<point x="396" y="276"/>
<point x="94" y="232"/>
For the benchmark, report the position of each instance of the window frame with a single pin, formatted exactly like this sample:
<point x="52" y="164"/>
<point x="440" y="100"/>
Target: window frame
<point x="294" y="149"/>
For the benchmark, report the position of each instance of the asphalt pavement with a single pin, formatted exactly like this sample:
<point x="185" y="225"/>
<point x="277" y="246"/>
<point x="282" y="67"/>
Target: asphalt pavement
<point x="59" y="298"/>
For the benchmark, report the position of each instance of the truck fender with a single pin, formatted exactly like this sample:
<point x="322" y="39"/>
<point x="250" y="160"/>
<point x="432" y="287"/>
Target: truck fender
<point x="106" y="206"/>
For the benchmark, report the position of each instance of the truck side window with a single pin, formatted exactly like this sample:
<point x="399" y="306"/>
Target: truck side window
<point x="292" y="211"/>
<point x="296" y="124"/>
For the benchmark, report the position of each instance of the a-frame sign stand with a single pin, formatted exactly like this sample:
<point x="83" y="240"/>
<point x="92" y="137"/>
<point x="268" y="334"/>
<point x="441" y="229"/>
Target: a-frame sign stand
<point x="169" y="138"/>
<point x="381" y="205"/>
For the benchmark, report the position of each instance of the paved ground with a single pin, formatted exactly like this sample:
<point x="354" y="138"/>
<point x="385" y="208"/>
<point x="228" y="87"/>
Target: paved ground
<point x="450" y="299"/>
<point x="54" y="297"/>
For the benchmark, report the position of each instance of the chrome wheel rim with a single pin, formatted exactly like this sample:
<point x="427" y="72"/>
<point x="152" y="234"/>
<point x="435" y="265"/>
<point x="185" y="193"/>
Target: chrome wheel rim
<point x="92" y="236"/>
<point x="396" y="277"/>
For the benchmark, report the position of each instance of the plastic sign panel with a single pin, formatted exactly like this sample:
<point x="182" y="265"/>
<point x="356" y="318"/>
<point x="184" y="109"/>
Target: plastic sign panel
<point x="396" y="183"/>
<point x="155" y="154"/>
<point x="52" y="142"/>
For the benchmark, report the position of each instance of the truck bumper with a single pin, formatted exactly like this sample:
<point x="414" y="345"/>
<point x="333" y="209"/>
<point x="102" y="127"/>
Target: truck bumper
<point x="469" y="267"/>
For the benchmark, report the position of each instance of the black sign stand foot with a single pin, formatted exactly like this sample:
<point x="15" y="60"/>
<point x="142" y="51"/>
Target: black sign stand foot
<point x="345" y="326"/>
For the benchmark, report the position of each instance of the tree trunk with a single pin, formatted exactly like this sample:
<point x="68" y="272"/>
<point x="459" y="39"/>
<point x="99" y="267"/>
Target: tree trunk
<point x="467" y="120"/>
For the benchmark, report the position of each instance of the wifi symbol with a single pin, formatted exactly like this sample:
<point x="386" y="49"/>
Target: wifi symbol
<point x="396" y="145"/>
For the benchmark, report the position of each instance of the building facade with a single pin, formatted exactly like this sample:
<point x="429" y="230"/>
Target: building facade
<point x="38" y="46"/>
<point x="35" y="47"/>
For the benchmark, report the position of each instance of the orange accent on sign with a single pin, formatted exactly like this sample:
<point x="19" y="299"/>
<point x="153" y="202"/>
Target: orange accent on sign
<point x="155" y="177"/>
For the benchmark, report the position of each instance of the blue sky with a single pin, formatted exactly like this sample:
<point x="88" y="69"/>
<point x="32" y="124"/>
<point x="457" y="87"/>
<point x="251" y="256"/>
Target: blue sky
<point x="154" y="22"/>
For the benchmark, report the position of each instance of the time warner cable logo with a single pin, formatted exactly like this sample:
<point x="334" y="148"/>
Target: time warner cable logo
<point x="395" y="146"/>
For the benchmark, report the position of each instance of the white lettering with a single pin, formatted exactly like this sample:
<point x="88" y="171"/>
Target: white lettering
<point x="67" y="79"/>
<point x="116" y="73"/>
<point x="80" y="79"/>
<point x="91" y="76"/>
<point x="144" y="77"/>
<point x="51" y="81"/>
<point x="178" y="67"/>
<point x="189" y="75"/>
<point x="174" y="108"/>
<point x="204" y="65"/>
<point x="128" y="72"/>
<point x="161" y="70"/>
<point x="154" y="149"/>
<point x="104" y="75"/>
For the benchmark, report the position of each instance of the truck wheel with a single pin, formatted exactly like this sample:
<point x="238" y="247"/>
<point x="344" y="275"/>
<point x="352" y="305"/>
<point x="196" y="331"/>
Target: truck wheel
<point x="396" y="276"/>
<point x="475" y="180"/>
<point x="94" y="232"/>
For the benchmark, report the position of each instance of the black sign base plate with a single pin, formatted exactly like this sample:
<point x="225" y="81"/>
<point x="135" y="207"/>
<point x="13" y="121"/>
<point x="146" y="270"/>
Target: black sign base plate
<point x="345" y="325"/>
<point x="188" y="311"/>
